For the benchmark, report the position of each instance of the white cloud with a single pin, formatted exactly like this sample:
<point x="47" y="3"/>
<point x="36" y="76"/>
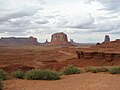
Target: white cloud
<point x="82" y="20"/>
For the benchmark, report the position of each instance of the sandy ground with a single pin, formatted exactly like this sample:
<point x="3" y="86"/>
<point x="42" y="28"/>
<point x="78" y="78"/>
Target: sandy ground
<point x="87" y="81"/>
<point x="35" y="56"/>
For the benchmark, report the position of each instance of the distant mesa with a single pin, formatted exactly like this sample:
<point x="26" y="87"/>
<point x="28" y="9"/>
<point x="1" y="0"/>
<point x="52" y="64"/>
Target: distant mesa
<point x="118" y="40"/>
<point x="107" y="38"/>
<point x="108" y="44"/>
<point x="59" y="39"/>
<point x="18" y="41"/>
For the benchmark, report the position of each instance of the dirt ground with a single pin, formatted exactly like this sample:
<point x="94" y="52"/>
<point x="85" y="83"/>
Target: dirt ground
<point x="87" y="81"/>
<point x="36" y="56"/>
<point x="27" y="57"/>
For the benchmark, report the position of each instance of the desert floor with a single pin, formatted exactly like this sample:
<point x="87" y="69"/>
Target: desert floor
<point x="87" y="81"/>
<point x="13" y="57"/>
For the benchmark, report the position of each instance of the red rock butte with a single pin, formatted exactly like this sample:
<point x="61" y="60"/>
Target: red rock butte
<point x="59" y="39"/>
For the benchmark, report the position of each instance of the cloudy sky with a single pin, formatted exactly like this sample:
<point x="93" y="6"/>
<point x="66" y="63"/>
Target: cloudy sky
<point x="81" y="20"/>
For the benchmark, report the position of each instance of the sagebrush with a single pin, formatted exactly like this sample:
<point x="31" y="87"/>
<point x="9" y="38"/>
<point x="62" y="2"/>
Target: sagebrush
<point x="18" y="74"/>
<point x="3" y="75"/>
<point x="114" y="70"/>
<point x="42" y="75"/>
<point x="71" y="69"/>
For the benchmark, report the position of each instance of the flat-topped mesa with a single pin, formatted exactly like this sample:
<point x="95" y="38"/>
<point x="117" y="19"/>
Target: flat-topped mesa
<point x="117" y="40"/>
<point x="59" y="39"/>
<point x="18" y="41"/>
<point x="107" y="38"/>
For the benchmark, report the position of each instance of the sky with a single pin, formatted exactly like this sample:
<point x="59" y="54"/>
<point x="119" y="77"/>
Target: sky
<point x="84" y="21"/>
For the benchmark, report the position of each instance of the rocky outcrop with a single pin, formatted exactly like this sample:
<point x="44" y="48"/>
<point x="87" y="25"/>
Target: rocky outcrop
<point x="45" y="43"/>
<point x="107" y="38"/>
<point x="74" y="43"/>
<point x="98" y="55"/>
<point x="112" y="44"/>
<point x="59" y="39"/>
<point x="18" y="41"/>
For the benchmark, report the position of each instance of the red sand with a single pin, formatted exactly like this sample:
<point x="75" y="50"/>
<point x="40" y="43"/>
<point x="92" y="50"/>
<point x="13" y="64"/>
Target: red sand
<point x="87" y="81"/>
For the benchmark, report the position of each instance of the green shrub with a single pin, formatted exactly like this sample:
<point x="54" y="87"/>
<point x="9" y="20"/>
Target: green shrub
<point x="88" y="69"/>
<point x="70" y="69"/>
<point x="3" y="75"/>
<point x="18" y="74"/>
<point x="42" y="75"/>
<point x="1" y="85"/>
<point x="102" y="69"/>
<point x="50" y="75"/>
<point x="95" y="70"/>
<point x="114" y="70"/>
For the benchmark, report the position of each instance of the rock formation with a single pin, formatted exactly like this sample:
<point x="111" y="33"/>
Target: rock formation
<point x="18" y="41"/>
<point x="98" y="55"/>
<point x="59" y="39"/>
<point x="112" y="44"/>
<point x="46" y="42"/>
<point x="107" y="38"/>
<point x="73" y="43"/>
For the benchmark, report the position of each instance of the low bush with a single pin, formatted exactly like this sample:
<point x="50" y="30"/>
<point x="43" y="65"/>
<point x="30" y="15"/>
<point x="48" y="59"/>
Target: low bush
<point x="88" y="69"/>
<point x="114" y="70"/>
<point x="42" y="75"/>
<point x="102" y="69"/>
<point x="18" y="74"/>
<point x="3" y="75"/>
<point x="95" y="70"/>
<point x="71" y="69"/>
<point x="1" y="85"/>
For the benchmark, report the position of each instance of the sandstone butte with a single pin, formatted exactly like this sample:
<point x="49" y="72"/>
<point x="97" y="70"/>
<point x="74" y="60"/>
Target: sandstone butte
<point x="59" y="39"/>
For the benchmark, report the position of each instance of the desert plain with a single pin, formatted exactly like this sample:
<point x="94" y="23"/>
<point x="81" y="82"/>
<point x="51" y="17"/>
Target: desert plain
<point x="56" y="58"/>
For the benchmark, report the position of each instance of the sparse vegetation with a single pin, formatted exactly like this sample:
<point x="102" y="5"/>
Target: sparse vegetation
<point x="3" y="75"/>
<point x="1" y="85"/>
<point x="71" y="69"/>
<point x="90" y="69"/>
<point x="95" y="70"/>
<point x="114" y="70"/>
<point x="42" y="75"/>
<point x="102" y="69"/>
<point x="18" y="74"/>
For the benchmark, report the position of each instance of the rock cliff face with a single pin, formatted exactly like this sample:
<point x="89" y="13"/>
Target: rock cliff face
<point x="59" y="39"/>
<point x="98" y="55"/>
<point x="18" y="41"/>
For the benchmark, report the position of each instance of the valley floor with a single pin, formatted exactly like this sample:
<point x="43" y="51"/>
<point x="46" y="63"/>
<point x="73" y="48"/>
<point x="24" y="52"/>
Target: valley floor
<point x="87" y="81"/>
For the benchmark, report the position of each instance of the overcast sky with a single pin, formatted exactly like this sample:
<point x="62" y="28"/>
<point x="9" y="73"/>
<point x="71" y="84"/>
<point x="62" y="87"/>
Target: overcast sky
<point x="81" y="20"/>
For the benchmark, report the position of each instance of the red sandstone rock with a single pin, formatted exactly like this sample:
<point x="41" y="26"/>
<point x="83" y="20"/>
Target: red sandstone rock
<point x="59" y="39"/>
<point x="98" y="55"/>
